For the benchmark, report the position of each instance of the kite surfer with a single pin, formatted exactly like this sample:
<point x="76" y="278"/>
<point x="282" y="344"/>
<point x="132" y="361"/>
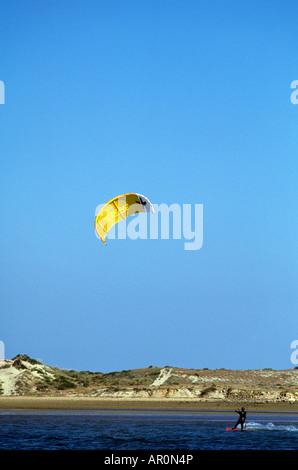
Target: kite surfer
<point x="241" y="419"/>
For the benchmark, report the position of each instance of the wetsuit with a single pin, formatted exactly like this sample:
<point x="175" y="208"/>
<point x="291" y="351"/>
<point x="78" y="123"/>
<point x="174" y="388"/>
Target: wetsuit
<point x="241" y="420"/>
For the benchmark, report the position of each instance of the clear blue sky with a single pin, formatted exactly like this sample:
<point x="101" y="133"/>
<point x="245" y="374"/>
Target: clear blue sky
<point x="184" y="102"/>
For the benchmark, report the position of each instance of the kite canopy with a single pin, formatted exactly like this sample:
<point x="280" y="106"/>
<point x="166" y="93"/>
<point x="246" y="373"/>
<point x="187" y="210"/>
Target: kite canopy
<point x="118" y="209"/>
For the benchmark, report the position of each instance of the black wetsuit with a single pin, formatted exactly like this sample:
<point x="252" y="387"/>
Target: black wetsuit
<point x="241" y="420"/>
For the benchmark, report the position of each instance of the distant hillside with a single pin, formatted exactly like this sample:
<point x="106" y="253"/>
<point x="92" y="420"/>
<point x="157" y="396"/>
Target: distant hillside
<point x="23" y="376"/>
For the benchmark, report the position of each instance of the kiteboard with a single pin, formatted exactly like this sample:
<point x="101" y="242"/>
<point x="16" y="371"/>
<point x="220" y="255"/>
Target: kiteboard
<point x="234" y="429"/>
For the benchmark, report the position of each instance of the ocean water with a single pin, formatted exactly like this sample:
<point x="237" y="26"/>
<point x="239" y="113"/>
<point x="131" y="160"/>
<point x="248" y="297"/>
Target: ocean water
<point x="123" y="430"/>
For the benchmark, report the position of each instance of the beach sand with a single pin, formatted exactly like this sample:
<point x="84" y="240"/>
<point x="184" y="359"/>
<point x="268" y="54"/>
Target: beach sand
<point x="76" y="403"/>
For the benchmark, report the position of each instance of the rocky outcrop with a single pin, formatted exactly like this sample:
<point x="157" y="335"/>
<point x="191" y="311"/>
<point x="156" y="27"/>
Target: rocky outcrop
<point x="23" y="376"/>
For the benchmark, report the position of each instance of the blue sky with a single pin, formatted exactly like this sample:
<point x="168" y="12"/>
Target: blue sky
<point x="184" y="102"/>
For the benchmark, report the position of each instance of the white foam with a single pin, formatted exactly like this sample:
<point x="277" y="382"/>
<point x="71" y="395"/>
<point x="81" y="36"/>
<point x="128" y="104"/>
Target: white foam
<point x="271" y="427"/>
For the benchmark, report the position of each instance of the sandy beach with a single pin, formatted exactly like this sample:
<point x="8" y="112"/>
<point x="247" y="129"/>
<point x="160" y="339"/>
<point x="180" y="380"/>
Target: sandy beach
<point x="76" y="403"/>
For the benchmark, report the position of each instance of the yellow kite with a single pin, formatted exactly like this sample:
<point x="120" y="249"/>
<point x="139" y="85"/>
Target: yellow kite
<point x="118" y="209"/>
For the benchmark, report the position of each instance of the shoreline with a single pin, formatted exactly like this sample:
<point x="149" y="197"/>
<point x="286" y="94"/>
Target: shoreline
<point x="26" y="403"/>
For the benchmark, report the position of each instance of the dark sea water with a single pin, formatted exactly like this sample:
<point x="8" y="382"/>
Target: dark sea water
<point x="148" y="430"/>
